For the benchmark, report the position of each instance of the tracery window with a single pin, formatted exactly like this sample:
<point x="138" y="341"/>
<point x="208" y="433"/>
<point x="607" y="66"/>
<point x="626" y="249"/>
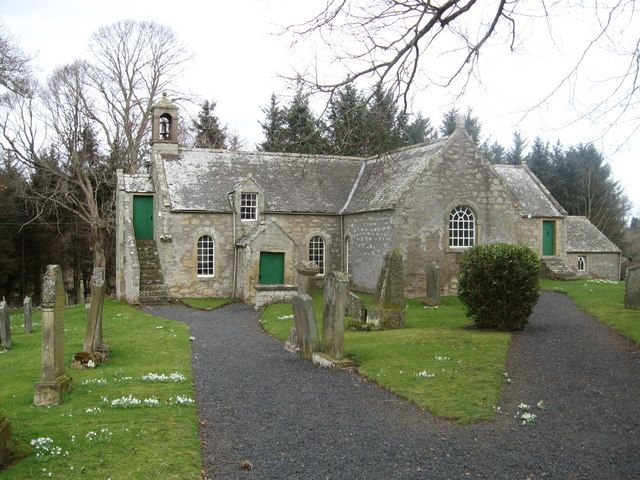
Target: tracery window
<point x="316" y="252"/>
<point x="582" y="263"/>
<point x="462" y="227"/>
<point x="206" y="256"/>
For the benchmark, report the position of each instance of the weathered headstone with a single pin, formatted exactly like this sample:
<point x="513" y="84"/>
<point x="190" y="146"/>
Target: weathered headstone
<point x="355" y="308"/>
<point x="27" y="308"/>
<point x="632" y="289"/>
<point x="387" y="309"/>
<point x="93" y="336"/>
<point x="80" y="290"/>
<point x="433" y="282"/>
<point x="5" y="325"/>
<point x="306" y="327"/>
<point x="306" y="275"/>
<point x="54" y="382"/>
<point x="335" y="299"/>
<point x="5" y="439"/>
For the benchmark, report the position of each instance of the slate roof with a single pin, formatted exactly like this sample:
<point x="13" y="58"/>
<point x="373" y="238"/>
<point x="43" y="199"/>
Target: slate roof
<point x="385" y="178"/>
<point x="199" y="179"/>
<point x="584" y="236"/>
<point x="534" y="198"/>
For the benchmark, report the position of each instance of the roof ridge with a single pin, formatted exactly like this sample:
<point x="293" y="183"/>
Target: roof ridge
<point x="274" y="154"/>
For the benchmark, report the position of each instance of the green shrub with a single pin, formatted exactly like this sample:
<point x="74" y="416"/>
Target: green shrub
<point x="499" y="284"/>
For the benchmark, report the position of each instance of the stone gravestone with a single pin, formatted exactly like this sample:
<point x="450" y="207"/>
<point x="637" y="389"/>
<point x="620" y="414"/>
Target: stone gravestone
<point x="306" y="273"/>
<point x="54" y="382"/>
<point x="93" y="337"/>
<point x="355" y="308"/>
<point x="387" y="309"/>
<point x="5" y="439"/>
<point x="5" y="325"/>
<point x="433" y="282"/>
<point x="335" y="299"/>
<point x="27" y="308"/>
<point x="632" y="289"/>
<point x="305" y="322"/>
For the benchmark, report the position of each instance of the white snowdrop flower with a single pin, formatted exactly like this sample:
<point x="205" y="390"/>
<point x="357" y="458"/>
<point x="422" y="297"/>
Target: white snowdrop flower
<point x="192" y="338"/>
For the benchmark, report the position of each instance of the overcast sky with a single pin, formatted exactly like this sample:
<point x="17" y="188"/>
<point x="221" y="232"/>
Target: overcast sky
<point x="237" y="59"/>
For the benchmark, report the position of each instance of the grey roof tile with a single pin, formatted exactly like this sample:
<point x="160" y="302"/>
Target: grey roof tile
<point x="534" y="198"/>
<point x="584" y="236"/>
<point x="199" y="179"/>
<point x="385" y="178"/>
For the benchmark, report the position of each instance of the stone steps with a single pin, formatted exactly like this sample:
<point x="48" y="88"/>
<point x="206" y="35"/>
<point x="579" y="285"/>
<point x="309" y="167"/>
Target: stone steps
<point x="152" y="287"/>
<point x="555" y="268"/>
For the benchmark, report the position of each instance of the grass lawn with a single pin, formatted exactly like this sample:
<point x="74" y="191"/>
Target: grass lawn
<point x="207" y="303"/>
<point x="467" y="365"/>
<point x="602" y="299"/>
<point x="150" y="442"/>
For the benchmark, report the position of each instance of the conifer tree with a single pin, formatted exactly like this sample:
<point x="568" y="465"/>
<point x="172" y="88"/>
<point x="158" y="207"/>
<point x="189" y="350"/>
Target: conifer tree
<point x="273" y="126"/>
<point x="207" y="129"/>
<point x="539" y="161"/>
<point x="515" y="156"/>
<point x="471" y="124"/>
<point x="417" y="131"/>
<point x="347" y="123"/>
<point x="302" y="131"/>
<point x="382" y="131"/>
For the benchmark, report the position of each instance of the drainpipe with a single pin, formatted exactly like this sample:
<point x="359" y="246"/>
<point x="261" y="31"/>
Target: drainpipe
<point x="235" y="247"/>
<point x="343" y="267"/>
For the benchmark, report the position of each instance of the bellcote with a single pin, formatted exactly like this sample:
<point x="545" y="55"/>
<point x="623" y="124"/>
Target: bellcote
<point x="164" y="136"/>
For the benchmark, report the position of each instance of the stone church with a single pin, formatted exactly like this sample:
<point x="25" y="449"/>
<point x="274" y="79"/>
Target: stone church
<point x="207" y="222"/>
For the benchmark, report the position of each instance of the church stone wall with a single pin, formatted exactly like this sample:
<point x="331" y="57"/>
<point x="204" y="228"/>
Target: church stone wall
<point x="371" y="236"/>
<point x="599" y="265"/>
<point x="456" y="177"/>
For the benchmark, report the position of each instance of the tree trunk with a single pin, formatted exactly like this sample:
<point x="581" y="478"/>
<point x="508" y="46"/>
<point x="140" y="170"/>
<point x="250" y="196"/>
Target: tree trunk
<point x="97" y="242"/>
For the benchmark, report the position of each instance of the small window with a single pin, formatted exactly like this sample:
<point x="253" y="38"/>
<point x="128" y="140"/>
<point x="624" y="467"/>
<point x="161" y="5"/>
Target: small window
<point x="347" y="257"/>
<point x="249" y="206"/>
<point x="206" y="256"/>
<point x="165" y="127"/>
<point x="462" y="227"/>
<point x="582" y="264"/>
<point x="316" y="252"/>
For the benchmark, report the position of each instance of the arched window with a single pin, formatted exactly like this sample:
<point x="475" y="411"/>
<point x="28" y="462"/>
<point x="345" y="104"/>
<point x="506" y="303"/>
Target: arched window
<point x="462" y="227"/>
<point x="582" y="263"/>
<point x="206" y="256"/>
<point x="165" y="127"/>
<point x="316" y="252"/>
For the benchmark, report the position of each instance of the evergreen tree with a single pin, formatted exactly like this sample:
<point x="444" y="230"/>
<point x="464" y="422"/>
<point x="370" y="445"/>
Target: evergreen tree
<point x="208" y="132"/>
<point x="417" y="131"/>
<point x="539" y="161"/>
<point x="635" y="223"/>
<point x="494" y="153"/>
<point x="471" y="124"/>
<point x="383" y="134"/>
<point x="347" y="123"/>
<point x="301" y="128"/>
<point x="515" y="156"/>
<point x="273" y="126"/>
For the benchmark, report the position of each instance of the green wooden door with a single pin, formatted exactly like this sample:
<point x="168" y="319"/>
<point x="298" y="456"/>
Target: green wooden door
<point x="271" y="268"/>
<point x="143" y="217"/>
<point x="548" y="238"/>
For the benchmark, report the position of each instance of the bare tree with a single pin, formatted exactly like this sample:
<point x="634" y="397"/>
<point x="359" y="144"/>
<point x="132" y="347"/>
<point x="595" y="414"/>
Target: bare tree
<point x="395" y="42"/>
<point x="132" y="64"/>
<point x="14" y="64"/>
<point x="80" y="181"/>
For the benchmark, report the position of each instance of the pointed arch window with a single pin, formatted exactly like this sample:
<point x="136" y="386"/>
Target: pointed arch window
<point x="165" y="127"/>
<point x="462" y="227"/>
<point x="316" y="252"/>
<point x="582" y="263"/>
<point x="206" y="256"/>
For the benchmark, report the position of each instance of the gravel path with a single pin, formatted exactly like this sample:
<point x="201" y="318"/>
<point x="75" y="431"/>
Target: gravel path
<point x="291" y="419"/>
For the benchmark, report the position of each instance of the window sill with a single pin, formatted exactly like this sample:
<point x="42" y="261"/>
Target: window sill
<point x="204" y="278"/>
